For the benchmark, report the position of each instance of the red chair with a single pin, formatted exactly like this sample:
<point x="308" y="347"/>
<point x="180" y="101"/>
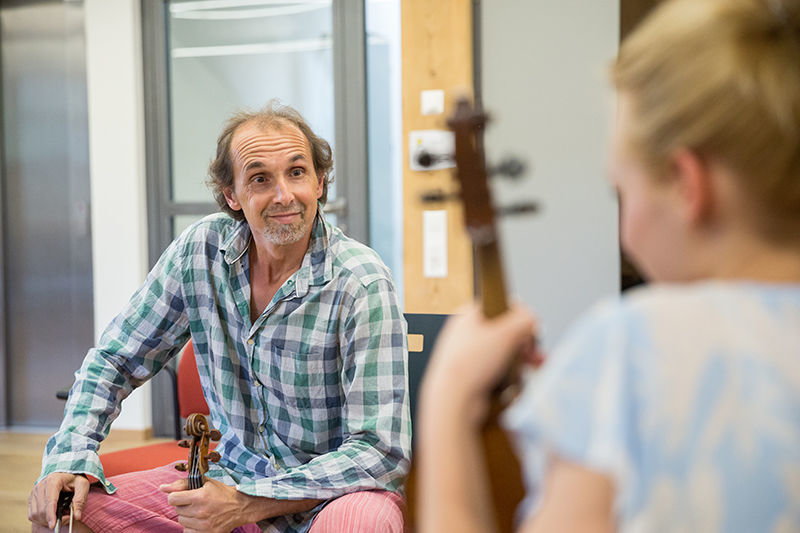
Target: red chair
<point x="188" y="399"/>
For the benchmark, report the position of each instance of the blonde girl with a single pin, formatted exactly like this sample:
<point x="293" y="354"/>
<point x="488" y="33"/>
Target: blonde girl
<point x="676" y="407"/>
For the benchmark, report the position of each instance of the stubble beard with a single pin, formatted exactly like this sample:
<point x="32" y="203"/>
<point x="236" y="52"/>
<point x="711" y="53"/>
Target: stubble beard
<point x="282" y="234"/>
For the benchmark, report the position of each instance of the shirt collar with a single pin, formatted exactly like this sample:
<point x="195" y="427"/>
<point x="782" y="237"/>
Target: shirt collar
<point x="234" y="247"/>
<point x="317" y="265"/>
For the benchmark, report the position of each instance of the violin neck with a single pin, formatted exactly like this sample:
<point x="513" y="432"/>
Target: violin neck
<point x="492" y="281"/>
<point x="195" y="480"/>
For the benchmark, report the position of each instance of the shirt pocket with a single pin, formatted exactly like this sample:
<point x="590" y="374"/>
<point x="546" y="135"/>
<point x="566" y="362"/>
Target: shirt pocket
<point x="304" y="400"/>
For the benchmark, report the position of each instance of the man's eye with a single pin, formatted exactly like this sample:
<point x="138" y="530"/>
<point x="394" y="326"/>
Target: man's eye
<point x="258" y="179"/>
<point x="297" y="172"/>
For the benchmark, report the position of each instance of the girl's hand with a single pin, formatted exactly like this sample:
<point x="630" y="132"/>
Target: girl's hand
<point x="473" y="354"/>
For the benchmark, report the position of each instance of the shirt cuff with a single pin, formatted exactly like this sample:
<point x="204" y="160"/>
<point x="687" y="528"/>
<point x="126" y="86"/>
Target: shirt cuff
<point x="85" y="462"/>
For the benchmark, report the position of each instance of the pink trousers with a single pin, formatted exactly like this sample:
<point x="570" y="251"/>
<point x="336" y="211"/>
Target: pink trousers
<point x="138" y="505"/>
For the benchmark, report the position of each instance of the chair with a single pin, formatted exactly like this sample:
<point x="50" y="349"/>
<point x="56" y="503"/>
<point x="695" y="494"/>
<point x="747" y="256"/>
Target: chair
<point x="188" y="399"/>
<point x="422" y="332"/>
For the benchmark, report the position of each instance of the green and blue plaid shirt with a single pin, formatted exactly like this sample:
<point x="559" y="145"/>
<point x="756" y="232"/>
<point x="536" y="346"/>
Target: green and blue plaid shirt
<point x="311" y="399"/>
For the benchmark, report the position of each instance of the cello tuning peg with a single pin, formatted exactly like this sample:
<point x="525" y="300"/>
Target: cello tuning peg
<point x="184" y="443"/>
<point x="181" y="467"/>
<point x="215" y="434"/>
<point x="510" y="168"/>
<point x="518" y="209"/>
<point x="437" y="196"/>
<point x="213" y="456"/>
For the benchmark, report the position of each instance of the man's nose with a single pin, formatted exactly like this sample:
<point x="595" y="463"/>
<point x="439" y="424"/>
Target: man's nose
<point x="283" y="194"/>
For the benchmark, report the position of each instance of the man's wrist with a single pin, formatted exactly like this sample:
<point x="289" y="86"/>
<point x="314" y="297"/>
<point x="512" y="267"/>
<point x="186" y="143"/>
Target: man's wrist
<point x="254" y="508"/>
<point x="257" y="508"/>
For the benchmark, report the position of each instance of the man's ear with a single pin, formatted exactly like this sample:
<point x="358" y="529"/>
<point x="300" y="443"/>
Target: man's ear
<point x="320" y="186"/>
<point x="693" y="182"/>
<point x="230" y="198"/>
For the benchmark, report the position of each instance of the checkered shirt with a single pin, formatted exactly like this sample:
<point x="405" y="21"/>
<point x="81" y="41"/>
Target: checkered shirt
<point x="311" y="398"/>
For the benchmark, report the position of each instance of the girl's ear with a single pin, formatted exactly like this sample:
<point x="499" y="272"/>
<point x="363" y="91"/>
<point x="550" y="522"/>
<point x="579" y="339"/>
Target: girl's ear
<point x="693" y="182"/>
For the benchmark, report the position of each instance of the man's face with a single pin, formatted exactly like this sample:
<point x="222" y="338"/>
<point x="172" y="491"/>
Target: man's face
<point x="275" y="184"/>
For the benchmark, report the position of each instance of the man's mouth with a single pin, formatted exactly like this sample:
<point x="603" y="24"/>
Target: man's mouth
<point x="284" y="217"/>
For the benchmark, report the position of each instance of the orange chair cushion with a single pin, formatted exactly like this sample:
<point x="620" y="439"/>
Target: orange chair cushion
<point x="190" y="392"/>
<point x="144" y="457"/>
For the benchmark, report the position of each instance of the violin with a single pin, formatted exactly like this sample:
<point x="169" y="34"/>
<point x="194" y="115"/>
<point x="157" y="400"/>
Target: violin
<point x="200" y="437"/>
<point x="502" y="465"/>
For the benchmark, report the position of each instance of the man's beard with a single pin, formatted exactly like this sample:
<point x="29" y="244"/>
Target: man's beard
<point x="278" y="233"/>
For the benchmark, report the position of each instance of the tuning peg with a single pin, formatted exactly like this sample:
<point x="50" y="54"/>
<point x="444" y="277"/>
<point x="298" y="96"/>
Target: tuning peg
<point x="181" y="467"/>
<point x="213" y="456"/>
<point x="437" y="196"/>
<point x="517" y="209"/>
<point x="510" y="168"/>
<point x="184" y="443"/>
<point x="215" y="434"/>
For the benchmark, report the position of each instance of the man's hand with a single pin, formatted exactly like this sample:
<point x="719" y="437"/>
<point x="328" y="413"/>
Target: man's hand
<point x="215" y="507"/>
<point x="218" y="507"/>
<point x="44" y="496"/>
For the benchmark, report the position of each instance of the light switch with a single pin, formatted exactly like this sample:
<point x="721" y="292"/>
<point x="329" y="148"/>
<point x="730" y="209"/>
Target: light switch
<point x="434" y="243"/>
<point x="434" y="147"/>
<point x="432" y="102"/>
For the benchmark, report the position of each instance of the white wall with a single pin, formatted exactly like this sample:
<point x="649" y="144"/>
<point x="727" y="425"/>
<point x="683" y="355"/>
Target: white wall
<point x="545" y="84"/>
<point x="117" y="169"/>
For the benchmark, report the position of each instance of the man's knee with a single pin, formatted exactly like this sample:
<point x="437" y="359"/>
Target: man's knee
<point x="361" y="512"/>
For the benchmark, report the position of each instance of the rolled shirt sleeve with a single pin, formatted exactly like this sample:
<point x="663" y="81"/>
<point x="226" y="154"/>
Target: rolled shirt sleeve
<point x="133" y="348"/>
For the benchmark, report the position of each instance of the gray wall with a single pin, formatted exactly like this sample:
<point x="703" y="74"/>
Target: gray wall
<point x="545" y="83"/>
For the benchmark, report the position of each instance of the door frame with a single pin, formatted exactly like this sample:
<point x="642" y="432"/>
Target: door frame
<point x="4" y="391"/>
<point x="350" y="119"/>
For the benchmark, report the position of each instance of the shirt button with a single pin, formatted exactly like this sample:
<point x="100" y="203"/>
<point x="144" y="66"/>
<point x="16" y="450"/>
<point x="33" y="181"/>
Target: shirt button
<point x="251" y="342"/>
<point x="261" y="428"/>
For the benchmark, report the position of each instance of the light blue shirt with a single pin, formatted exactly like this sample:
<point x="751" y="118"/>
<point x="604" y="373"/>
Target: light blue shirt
<point x="687" y="397"/>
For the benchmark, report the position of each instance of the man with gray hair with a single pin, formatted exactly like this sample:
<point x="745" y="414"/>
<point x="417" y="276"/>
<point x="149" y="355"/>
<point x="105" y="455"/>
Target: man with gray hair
<point x="300" y="346"/>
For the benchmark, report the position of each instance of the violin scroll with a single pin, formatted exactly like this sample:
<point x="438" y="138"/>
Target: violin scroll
<point x="200" y="436"/>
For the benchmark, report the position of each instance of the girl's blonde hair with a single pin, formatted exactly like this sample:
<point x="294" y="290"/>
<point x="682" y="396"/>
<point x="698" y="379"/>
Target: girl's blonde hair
<point x="722" y="77"/>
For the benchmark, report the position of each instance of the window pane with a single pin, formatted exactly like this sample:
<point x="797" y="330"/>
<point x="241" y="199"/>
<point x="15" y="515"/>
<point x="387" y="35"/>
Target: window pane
<point x="227" y="55"/>
<point x="181" y="222"/>
<point x="384" y="133"/>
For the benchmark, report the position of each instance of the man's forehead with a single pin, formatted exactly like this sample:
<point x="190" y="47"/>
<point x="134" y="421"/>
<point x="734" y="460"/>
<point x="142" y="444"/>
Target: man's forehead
<point x="284" y="134"/>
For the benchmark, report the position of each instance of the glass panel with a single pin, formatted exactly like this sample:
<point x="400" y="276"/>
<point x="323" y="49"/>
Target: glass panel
<point x="227" y="55"/>
<point x="181" y="222"/>
<point x="384" y="132"/>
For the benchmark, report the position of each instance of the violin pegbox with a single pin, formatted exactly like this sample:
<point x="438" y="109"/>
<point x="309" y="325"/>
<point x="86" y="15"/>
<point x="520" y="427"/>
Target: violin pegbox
<point x="200" y="436"/>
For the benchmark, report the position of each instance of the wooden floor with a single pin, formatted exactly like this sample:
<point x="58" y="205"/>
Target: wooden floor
<point x="21" y="459"/>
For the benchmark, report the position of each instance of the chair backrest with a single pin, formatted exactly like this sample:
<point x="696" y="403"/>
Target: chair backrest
<point x="190" y="392"/>
<point x="422" y="332"/>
